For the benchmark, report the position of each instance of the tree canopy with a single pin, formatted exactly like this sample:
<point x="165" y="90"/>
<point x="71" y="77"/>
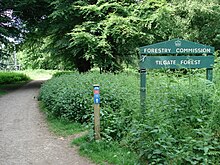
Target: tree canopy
<point x="86" y="33"/>
<point x="9" y="30"/>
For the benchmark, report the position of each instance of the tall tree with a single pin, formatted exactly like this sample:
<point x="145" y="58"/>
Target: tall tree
<point x="10" y="30"/>
<point x="87" y="33"/>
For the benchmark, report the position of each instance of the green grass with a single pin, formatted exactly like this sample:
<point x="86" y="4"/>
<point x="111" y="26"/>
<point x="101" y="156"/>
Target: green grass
<point x="2" y="93"/>
<point x="64" y="128"/>
<point x="98" y="151"/>
<point x="61" y="127"/>
<point x="12" y="77"/>
<point x="11" y="80"/>
<point x="188" y="105"/>
<point x="39" y="74"/>
<point x="103" y="152"/>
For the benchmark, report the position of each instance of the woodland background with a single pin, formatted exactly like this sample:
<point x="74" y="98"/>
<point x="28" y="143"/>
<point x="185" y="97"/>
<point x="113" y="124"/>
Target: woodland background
<point x="82" y="34"/>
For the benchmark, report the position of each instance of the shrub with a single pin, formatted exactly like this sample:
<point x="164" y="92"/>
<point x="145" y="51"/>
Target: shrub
<point x="59" y="73"/>
<point x="12" y="77"/>
<point x="180" y="123"/>
<point x="70" y="96"/>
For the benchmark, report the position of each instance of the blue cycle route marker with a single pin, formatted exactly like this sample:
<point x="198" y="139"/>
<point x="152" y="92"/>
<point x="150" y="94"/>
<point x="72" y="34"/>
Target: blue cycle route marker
<point x="96" y="99"/>
<point x="96" y="91"/>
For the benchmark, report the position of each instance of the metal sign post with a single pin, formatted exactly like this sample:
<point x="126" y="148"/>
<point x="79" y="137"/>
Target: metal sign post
<point x="143" y="91"/>
<point x="96" y="90"/>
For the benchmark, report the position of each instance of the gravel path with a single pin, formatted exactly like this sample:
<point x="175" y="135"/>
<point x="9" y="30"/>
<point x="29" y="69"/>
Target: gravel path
<point x="24" y="137"/>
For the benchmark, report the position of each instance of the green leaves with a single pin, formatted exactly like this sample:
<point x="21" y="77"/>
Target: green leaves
<point x="107" y="42"/>
<point x="181" y="125"/>
<point x="181" y="122"/>
<point x="107" y="33"/>
<point x="70" y="97"/>
<point x="12" y="77"/>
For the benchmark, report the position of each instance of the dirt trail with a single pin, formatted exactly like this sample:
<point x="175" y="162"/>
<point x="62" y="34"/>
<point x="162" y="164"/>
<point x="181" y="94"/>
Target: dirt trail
<point x="24" y="137"/>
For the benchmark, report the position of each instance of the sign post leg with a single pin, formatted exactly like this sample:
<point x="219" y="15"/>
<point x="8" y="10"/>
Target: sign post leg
<point x="143" y="91"/>
<point x="209" y="74"/>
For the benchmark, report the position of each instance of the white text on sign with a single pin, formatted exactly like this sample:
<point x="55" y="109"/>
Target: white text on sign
<point x="181" y="62"/>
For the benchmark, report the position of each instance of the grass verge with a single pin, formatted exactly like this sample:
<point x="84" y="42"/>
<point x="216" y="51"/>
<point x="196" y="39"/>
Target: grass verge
<point x="102" y="152"/>
<point x="61" y="127"/>
<point x="64" y="128"/>
<point x="11" y="80"/>
<point x="2" y="92"/>
<point x="98" y="151"/>
<point x="39" y="74"/>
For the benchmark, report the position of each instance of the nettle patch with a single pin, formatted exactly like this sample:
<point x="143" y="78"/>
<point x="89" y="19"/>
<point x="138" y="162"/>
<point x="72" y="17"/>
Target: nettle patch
<point x="12" y="77"/>
<point x="181" y="124"/>
<point x="70" y="97"/>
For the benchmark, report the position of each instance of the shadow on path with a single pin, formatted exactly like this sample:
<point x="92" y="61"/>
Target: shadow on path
<point x="35" y="84"/>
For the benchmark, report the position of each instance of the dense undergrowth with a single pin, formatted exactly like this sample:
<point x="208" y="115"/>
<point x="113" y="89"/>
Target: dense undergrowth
<point x="12" y="77"/>
<point x="180" y="125"/>
<point x="70" y="97"/>
<point x="11" y="80"/>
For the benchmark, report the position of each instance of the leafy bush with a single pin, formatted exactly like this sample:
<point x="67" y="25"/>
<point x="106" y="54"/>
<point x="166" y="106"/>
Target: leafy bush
<point x="70" y="96"/>
<point x="57" y="74"/>
<point x="12" y="77"/>
<point x="180" y="124"/>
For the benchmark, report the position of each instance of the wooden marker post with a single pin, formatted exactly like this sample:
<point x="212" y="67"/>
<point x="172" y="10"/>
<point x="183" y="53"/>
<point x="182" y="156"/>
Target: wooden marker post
<point x="96" y="90"/>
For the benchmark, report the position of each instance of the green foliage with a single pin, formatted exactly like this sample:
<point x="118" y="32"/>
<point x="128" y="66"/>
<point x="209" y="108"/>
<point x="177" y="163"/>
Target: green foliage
<point x="37" y="60"/>
<point x="70" y="97"/>
<point x="11" y="80"/>
<point x="2" y="92"/>
<point x="102" y="38"/>
<point x="82" y="34"/>
<point x="101" y="152"/>
<point x="38" y="74"/>
<point x="62" y="127"/>
<point x="180" y="125"/>
<point x="12" y="77"/>
<point x="57" y="74"/>
<point x="9" y="27"/>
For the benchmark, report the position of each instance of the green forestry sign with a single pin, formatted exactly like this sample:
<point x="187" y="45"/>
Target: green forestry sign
<point x="177" y="46"/>
<point x="176" y="62"/>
